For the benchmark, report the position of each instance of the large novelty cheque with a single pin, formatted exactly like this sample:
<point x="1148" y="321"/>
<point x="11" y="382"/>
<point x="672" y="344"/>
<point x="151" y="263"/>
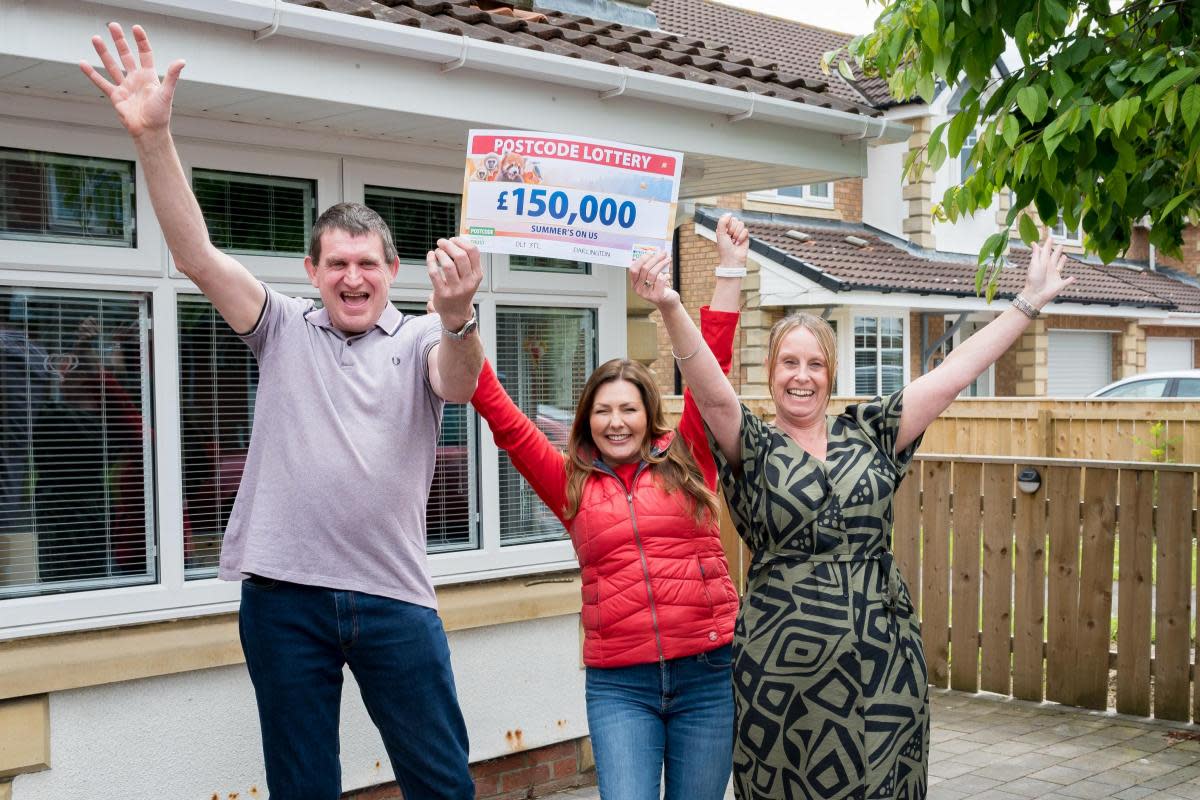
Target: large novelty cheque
<point x="555" y="196"/>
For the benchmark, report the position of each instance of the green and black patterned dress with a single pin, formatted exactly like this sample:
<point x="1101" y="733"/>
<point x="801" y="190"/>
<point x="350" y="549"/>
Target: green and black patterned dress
<point x="830" y="681"/>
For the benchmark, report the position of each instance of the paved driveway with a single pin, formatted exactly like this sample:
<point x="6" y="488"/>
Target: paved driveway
<point x="986" y="747"/>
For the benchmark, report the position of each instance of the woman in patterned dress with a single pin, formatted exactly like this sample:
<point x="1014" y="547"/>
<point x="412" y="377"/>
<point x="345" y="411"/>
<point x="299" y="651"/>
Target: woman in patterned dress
<point x="830" y="684"/>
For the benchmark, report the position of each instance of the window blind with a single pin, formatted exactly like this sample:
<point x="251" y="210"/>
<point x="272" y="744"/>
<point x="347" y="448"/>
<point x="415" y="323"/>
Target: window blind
<point x="76" y="508"/>
<point x="53" y="197"/>
<point x="256" y="214"/>
<point x="452" y="514"/>
<point x="543" y="358"/>
<point x="539" y="264"/>
<point x="878" y="355"/>
<point x="417" y="219"/>
<point x="218" y="377"/>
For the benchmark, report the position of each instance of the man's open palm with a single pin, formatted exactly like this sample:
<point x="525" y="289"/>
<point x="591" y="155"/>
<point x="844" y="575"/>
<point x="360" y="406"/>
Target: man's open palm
<point x="141" y="100"/>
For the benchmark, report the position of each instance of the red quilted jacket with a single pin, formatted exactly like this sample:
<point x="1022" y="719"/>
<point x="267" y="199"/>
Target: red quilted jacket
<point x="655" y="584"/>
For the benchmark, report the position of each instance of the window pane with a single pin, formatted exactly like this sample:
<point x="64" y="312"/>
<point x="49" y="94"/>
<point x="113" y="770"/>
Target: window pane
<point x="790" y="191"/>
<point x="218" y="380"/>
<point x="59" y="198"/>
<point x="452" y="514"/>
<point x="537" y="264"/>
<point x="75" y="505"/>
<point x="821" y="190"/>
<point x="878" y="355"/>
<point x="965" y="168"/>
<point x="417" y="219"/>
<point x="543" y="358"/>
<point x="256" y="214"/>
<point x="1188" y="387"/>
<point x="218" y="377"/>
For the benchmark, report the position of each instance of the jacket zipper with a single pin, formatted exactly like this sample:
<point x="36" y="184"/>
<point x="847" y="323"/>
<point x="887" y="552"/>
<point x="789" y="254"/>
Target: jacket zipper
<point x="641" y="553"/>
<point x="712" y="609"/>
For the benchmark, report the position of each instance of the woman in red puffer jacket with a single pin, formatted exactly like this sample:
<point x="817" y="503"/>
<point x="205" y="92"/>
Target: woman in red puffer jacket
<point x="638" y="500"/>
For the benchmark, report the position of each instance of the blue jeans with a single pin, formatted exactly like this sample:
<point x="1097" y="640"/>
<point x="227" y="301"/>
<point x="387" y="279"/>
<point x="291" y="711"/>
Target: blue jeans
<point x="677" y="715"/>
<point x="296" y="640"/>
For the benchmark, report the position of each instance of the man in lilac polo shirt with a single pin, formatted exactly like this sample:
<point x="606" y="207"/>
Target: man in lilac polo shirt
<point x="328" y="531"/>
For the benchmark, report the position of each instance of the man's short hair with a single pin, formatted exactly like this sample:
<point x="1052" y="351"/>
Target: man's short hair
<point x="356" y="220"/>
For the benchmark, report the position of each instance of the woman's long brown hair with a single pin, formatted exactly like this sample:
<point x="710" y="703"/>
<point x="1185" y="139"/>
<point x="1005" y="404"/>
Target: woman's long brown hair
<point x="674" y="469"/>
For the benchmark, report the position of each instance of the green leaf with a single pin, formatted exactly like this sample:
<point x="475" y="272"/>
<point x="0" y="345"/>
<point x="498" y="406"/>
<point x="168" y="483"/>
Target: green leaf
<point x="1033" y="102"/>
<point x="1149" y="69"/>
<point x="1029" y="231"/>
<point x="1061" y="82"/>
<point x="962" y="125"/>
<point x="1117" y="186"/>
<point x="1171" y="81"/>
<point x="993" y="246"/>
<point x="1175" y="202"/>
<point x="846" y="72"/>
<point x="1022" y="34"/>
<point x="1053" y="134"/>
<point x="1189" y="106"/>
<point x="1169" y="102"/>
<point x="937" y="155"/>
<point x="1012" y="130"/>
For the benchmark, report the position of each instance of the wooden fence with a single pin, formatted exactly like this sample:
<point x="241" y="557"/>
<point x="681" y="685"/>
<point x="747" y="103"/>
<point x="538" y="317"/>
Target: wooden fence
<point x="1111" y="430"/>
<point x="1016" y="590"/>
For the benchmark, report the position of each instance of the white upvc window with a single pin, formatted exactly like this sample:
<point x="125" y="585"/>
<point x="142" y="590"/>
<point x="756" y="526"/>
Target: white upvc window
<point x="161" y="468"/>
<point x="817" y="195"/>
<point x="965" y="168"/>
<point x="1061" y="234"/>
<point x="878" y="354"/>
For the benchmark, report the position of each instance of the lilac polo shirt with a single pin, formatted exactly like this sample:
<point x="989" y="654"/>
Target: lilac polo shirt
<point x="341" y="455"/>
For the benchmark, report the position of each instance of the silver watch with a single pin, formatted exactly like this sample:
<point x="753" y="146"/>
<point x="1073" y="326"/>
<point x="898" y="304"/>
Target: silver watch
<point x="466" y="330"/>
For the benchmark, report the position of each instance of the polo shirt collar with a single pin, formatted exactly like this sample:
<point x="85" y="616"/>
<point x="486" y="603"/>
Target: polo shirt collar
<point x="388" y="322"/>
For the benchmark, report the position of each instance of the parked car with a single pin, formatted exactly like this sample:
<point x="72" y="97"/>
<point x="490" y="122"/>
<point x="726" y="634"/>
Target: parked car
<point x="1178" y="383"/>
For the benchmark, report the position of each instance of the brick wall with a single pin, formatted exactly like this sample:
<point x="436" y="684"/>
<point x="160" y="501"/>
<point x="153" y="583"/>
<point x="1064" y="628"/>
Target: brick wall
<point x="848" y="199"/>
<point x="528" y="774"/>
<point x="1139" y="250"/>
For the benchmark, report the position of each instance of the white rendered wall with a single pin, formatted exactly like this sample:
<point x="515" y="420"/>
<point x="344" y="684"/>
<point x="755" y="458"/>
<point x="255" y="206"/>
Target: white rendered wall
<point x="195" y="735"/>
<point x="883" y="204"/>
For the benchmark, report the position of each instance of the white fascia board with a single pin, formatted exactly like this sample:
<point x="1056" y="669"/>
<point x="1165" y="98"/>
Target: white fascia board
<point x="343" y="30"/>
<point x="1173" y="320"/>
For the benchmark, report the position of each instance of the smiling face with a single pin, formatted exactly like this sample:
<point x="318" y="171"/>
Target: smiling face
<point x="618" y="421"/>
<point x="353" y="278"/>
<point x="800" y="378"/>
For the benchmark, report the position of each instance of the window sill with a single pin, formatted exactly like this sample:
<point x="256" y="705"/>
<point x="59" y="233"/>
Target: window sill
<point x="92" y="658"/>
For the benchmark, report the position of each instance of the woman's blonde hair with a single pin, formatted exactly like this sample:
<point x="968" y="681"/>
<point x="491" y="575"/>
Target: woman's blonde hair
<point x="821" y="331"/>
<point x="674" y="468"/>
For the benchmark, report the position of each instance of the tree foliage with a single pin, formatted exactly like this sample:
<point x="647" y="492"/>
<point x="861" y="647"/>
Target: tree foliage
<point x="1100" y="121"/>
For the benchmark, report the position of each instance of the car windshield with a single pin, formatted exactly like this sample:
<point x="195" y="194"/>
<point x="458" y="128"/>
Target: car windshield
<point x="1154" y="387"/>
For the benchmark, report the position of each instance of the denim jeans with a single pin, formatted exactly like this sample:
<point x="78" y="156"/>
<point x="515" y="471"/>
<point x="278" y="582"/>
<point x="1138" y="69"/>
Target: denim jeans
<point x="297" y="639"/>
<point x="674" y="718"/>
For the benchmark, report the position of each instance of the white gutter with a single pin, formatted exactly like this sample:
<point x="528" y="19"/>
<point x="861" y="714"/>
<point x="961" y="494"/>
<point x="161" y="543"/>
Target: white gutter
<point x="277" y="18"/>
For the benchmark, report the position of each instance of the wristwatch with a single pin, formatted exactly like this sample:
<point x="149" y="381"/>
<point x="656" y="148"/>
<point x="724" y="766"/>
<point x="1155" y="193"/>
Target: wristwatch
<point x="466" y="330"/>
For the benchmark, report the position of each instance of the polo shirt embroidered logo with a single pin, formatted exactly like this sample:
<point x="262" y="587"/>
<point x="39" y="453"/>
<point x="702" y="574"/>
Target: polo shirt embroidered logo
<point x="396" y="360"/>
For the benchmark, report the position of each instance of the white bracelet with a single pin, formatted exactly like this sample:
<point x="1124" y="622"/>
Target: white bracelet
<point x="685" y="358"/>
<point x="1025" y="307"/>
<point x="731" y="272"/>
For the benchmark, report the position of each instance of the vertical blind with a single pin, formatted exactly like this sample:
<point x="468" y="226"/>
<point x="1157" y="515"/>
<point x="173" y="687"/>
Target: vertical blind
<point x="218" y="377"/>
<point x="452" y="514"/>
<point x="75" y="487"/>
<point x="417" y="219"/>
<point x="543" y="359"/>
<point x="51" y="197"/>
<point x="256" y="214"/>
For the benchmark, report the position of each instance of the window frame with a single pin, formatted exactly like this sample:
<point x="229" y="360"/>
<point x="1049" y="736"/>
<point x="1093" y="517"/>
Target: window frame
<point x="845" y="317"/>
<point x="807" y="200"/>
<point x="324" y="170"/>
<point x="144" y="258"/>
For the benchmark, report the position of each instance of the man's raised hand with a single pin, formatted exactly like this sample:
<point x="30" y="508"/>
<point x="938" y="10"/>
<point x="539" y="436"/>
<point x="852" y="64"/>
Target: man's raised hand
<point x="455" y="272"/>
<point x="142" y="102"/>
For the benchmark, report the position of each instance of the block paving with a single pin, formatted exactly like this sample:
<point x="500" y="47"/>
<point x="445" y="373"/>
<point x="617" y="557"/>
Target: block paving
<point x="988" y="747"/>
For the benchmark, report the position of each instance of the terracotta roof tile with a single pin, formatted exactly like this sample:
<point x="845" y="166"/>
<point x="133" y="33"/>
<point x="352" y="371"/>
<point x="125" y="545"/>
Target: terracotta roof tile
<point x="699" y="59"/>
<point x="881" y="265"/>
<point x="780" y="45"/>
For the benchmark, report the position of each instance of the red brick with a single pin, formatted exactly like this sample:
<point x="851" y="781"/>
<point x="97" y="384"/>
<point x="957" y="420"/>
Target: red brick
<point x="515" y="779"/>
<point x="563" y="783"/>
<point x="539" y="774"/>
<point x="487" y="786"/>
<point x="564" y="767"/>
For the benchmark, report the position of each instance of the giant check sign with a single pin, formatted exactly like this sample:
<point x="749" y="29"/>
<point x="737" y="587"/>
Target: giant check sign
<point x="543" y="194"/>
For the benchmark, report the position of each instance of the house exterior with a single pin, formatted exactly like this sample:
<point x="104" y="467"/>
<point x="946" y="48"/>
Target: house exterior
<point x="901" y="292"/>
<point x="127" y="403"/>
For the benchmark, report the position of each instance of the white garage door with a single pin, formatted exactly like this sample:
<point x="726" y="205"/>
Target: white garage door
<point x="1163" y="354"/>
<point x="1079" y="362"/>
